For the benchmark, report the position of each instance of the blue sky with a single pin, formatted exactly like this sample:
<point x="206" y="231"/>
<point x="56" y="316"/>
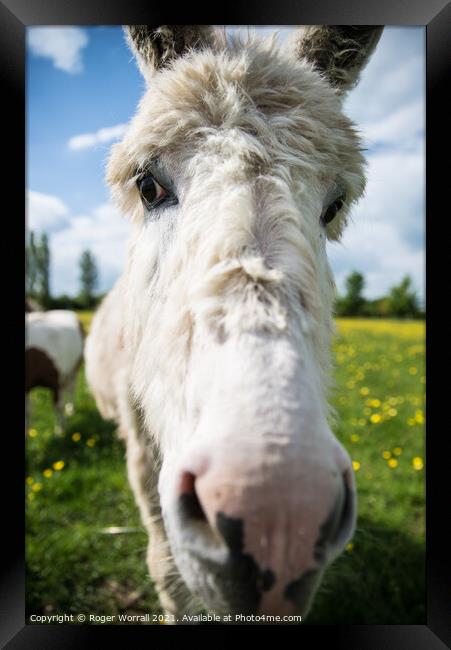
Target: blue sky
<point x="83" y="87"/>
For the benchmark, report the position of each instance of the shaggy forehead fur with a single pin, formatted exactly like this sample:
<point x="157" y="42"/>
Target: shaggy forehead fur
<point x="282" y="116"/>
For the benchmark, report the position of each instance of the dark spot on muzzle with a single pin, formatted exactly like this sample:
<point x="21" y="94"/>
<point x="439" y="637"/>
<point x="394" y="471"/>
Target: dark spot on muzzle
<point x="242" y="581"/>
<point x="237" y="575"/>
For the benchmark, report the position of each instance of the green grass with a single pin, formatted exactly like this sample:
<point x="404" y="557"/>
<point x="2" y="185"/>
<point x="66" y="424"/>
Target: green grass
<point x="380" y="374"/>
<point x="72" y="566"/>
<point x="75" y="567"/>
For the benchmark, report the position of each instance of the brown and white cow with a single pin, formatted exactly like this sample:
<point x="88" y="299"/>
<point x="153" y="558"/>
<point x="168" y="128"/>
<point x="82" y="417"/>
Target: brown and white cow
<point x="53" y="354"/>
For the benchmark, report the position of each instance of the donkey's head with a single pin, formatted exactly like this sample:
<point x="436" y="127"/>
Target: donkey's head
<point x="237" y="167"/>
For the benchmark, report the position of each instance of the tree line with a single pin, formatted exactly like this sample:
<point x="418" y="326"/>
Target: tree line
<point x="38" y="272"/>
<point x="400" y="302"/>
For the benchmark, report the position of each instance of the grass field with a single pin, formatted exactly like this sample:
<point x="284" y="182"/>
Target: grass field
<point x="77" y="490"/>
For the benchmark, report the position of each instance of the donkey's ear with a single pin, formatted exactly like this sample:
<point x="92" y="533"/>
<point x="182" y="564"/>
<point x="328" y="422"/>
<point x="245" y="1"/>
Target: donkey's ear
<point x="339" y="52"/>
<point x="156" y="45"/>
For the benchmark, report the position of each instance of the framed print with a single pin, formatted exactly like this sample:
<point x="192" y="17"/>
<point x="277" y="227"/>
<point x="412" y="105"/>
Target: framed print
<point x="226" y="390"/>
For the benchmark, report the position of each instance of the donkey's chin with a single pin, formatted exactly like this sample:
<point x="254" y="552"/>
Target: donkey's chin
<point x="246" y="594"/>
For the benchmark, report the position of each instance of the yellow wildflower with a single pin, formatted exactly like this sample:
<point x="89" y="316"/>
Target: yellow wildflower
<point x="32" y="433"/>
<point x="392" y="463"/>
<point x="356" y="465"/>
<point x="417" y="463"/>
<point x="375" y="418"/>
<point x="58" y="465"/>
<point x="386" y="455"/>
<point x="91" y="442"/>
<point x="47" y="473"/>
<point x="76" y="437"/>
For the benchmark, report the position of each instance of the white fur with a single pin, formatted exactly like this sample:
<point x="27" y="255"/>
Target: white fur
<point x="224" y="309"/>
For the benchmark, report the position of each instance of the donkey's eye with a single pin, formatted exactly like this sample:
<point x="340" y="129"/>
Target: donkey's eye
<point x="332" y="210"/>
<point x="152" y="193"/>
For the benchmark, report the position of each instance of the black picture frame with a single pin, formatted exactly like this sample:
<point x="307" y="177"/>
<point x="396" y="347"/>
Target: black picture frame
<point x="435" y="15"/>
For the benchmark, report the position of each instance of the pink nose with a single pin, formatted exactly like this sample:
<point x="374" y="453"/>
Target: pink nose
<point x="278" y="525"/>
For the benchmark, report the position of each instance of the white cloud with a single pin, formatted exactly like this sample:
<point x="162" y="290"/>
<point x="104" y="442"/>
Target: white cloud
<point x="46" y="212"/>
<point x="89" y="140"/>
<point x="398" y="128"/>
<point x="385" y="239"/>
<point x="104" y="232"/>
<point x="395" y="191"/>
<point x="395" y="76"/>
<point x="62" y="45"/>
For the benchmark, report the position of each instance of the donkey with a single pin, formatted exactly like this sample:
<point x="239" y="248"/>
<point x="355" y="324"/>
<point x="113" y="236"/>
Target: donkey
<point x="212" y="352"/>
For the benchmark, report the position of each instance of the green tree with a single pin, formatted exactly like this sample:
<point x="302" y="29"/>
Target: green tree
<point x="88" y="278"/>
<point x="30" y="266"/>
<point x="43" y="270"/>
<point x="403" y="301"/>
<point x="353" y="302"/>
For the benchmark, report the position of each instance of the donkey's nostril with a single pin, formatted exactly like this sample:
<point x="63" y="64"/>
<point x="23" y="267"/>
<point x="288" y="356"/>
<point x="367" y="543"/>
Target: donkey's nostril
<point x="346" y="518"/>
<point x="190" y="506"/>
<point x="338" y="527"/>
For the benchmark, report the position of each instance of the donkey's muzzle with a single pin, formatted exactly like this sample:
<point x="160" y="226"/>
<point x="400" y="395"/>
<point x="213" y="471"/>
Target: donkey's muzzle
<point x="263" y="542"/>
